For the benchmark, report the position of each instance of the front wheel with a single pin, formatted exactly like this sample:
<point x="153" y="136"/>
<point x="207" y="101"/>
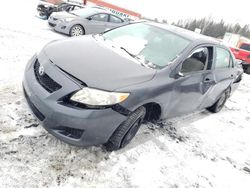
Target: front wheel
<point x="127" y="130"/>
<point x="76" y="30"/>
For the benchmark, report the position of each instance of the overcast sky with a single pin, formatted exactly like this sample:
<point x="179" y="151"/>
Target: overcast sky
<point x="231" y="11"/>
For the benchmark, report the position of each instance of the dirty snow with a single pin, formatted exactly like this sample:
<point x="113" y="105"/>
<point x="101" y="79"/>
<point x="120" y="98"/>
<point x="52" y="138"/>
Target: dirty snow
<point x="197" y="150"/>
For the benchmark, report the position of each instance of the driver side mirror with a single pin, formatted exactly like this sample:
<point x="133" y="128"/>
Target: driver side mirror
<point x="179" y="75"/>
<point x="89" y="18"/>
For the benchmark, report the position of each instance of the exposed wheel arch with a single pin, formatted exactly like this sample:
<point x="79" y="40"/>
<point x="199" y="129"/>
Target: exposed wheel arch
<point x="218" y="105"/>
<point x="83" y="28"/>
<point x="153" y="112"/>
<point x="229" y="89"/>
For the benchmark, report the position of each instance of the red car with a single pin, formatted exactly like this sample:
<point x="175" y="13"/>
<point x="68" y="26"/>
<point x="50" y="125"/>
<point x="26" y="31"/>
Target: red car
<point x="243" y="53"/>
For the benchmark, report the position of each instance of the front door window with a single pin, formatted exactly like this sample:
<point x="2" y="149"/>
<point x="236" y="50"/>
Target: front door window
<point x="196" y="61"/>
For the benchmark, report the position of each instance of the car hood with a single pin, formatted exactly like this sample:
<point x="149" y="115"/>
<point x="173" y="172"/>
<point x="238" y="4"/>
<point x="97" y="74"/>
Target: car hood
<point x="63" y="14"/>
<point x="96" y="64"/>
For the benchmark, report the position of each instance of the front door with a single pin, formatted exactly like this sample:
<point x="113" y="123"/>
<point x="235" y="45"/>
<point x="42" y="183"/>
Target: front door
<point x="194" y="83"/>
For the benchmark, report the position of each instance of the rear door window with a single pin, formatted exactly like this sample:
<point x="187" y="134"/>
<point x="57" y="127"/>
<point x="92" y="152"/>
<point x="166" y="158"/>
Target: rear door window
<point x="77" y="7"/>
<point x="69" y="8"/>
<point x="62" y="7"/>
<point x="115" y="19"/>
<point x="100" y="17"/>
<point x="223" y="58"/>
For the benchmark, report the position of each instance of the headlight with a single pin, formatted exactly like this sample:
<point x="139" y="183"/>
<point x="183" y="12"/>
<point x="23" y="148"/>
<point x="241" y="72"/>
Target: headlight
<point x="67" y="19"/>
<point x="96" y="97"/>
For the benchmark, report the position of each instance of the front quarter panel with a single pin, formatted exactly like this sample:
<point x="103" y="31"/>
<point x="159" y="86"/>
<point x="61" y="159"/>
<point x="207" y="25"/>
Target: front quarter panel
<point x="158" y="90"/>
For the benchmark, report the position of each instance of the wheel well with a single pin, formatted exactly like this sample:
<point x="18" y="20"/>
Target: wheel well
<point x="153" y="111"/>
<point x="79" y="25"/>
<point x="82" y="27"/>
<point x="229" y="89"/>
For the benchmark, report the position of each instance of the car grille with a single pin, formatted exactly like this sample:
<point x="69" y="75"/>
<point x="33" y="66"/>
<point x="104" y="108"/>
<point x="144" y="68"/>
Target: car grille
<point x="44" y="80"/>
<point x="52" y="25"/>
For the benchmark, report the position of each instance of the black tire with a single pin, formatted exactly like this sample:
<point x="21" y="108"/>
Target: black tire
<point x="47" y="16"/>
<point x="220" y="102"/>
<point x="76" y="30"/>
<point x="127" y="130"/>
<point x="247" y="70"/>
<point x="49" y="12"/>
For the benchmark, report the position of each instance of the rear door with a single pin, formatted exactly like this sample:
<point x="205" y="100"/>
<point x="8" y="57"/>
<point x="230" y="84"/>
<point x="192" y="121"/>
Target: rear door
<point x="224" y="72"/>
<point x="114" y="21"/>
<point x="98" y="23"/>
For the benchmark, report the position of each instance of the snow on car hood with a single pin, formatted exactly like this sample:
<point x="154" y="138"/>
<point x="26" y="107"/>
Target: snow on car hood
<point x="61" y="15"/>
<point x="95" y="64"/>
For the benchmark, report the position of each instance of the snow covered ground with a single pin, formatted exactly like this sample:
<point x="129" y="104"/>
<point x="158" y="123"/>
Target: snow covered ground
<point x="197" y="150"/>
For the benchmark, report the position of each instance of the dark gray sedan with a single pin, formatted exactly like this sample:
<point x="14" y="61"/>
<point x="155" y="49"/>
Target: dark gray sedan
<point x="98" y="89"/>
<point x="91" y="20"/>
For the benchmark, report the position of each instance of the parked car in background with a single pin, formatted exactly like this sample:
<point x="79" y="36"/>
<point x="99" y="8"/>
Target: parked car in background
<point x="243" y="53"/>
<point x="240" y="46"/>
<point x="98" y="89"/>
<point x="45" y="10"/>
<point x="90" y="20"/>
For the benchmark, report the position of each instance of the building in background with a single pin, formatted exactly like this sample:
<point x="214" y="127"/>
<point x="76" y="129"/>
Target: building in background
<point x="234" y="40"/>
<point x="114" y="8"/>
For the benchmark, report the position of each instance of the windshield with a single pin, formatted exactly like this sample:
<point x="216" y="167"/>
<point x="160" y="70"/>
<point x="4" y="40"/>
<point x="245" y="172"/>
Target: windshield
<point x="148" y="43"/>
<point x="84" y="13"/>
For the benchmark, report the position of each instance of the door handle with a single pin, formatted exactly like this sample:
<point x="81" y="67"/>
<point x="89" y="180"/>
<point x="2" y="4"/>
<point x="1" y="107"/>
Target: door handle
<point x="207" y="80"/>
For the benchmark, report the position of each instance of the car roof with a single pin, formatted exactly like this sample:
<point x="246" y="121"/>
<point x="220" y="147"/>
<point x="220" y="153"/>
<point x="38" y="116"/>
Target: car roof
<point x="71" y="3"/>
<point x="190" y="35"/>
<point x="96" y="10"/>
<point x="98" y="7"/>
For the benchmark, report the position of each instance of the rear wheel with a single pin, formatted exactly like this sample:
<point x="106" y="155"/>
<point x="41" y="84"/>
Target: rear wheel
<point x="247" y="70"/>
<point x="76" y="30"/>
<point x="126" y="131"/>
<point x="220" y="102"/>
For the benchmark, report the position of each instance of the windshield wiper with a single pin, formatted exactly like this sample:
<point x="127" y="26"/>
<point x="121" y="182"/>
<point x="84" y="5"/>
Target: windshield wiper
<point x="147" y="63"/>
<point x="98" y="37"/>
<point x="143" y="62"/>
<point x="129" y="53"/>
